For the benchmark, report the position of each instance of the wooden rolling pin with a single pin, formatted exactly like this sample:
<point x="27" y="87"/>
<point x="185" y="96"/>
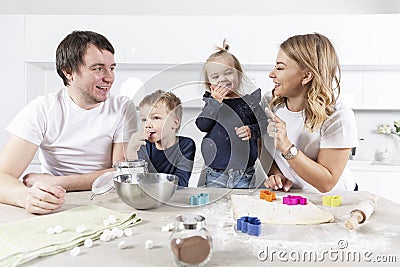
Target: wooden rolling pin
<point x="361" y="213"/>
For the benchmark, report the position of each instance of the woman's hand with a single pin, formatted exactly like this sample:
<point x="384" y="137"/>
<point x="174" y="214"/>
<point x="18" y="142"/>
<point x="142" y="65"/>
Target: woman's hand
<point x="277" y="129"/>
<point x="278" y="181"/>
<point x="43" y="198"/>
<point x="243" y="132"/>
<point x="218" y="92"/>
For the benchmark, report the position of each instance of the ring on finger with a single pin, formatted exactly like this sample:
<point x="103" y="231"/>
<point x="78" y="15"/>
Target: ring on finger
<point x="38" y="203"/>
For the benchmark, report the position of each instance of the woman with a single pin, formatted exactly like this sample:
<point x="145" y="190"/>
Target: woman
<point x="310" y="133"/>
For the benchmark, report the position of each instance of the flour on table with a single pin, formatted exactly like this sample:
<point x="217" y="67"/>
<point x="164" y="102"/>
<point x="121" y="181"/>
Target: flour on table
<point x="277" y="213"/>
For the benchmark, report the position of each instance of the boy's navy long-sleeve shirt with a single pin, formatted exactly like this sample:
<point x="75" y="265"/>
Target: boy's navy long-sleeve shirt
<point x="221" y="148"/>
<point x="177" y="159"/>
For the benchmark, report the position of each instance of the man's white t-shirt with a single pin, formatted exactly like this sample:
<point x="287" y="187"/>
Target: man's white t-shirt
<point x="73" y="140"/>
<point x="338" y="131"/>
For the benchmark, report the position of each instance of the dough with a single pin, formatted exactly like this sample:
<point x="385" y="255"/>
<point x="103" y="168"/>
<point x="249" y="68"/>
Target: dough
<point x="277" y="213"/>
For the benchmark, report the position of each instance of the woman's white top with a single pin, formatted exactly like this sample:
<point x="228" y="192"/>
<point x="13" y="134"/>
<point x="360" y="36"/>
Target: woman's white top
<point x="338" y="131"/>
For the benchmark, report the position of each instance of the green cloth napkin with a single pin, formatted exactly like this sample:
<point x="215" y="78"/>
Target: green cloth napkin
<point x="28" y="239"/>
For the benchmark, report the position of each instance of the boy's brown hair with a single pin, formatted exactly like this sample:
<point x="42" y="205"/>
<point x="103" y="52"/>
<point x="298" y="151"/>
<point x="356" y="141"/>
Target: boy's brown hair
<point x="171" y="101"/>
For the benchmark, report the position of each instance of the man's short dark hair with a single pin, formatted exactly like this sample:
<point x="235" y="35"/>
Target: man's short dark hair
<point x="71" y="50"/>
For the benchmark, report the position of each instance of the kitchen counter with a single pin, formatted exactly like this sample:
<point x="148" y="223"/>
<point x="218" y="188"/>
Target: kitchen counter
<point x="377" y="239"/>
<point x="373" y="166"/>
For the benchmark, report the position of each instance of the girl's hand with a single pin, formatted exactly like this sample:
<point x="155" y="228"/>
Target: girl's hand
<point x="243" y="132"/>
<point x="278" y="181"/>
<point x="218" y="92"/>
<point x="277" y="129"/>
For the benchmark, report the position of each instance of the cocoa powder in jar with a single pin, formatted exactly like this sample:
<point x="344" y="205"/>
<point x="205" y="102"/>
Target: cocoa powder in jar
<point x="191" y="250"/>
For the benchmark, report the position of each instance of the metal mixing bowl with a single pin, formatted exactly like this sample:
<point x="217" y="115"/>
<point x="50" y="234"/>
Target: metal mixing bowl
<point x="145" y="190"/>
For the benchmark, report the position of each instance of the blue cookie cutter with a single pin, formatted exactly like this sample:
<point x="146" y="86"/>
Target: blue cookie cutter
<point x="249" y="225"/>
<point x="200" y="199"/>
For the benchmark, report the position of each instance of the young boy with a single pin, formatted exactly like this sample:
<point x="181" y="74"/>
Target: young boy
<point x="157" y="143"/>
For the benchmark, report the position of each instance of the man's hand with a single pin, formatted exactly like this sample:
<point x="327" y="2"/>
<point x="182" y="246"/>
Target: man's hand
<point x="43" y="198"/>
<point x="31" y="178"/>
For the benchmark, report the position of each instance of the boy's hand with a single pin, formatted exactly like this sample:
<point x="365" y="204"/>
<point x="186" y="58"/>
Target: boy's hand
<point x="218" y="92"/>
<point x="137" y="140"/>
<point x="243" y="132"/>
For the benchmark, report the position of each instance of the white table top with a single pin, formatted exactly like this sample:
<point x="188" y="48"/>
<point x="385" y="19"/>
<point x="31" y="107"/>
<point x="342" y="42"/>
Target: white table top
<point x="378" y="237"/>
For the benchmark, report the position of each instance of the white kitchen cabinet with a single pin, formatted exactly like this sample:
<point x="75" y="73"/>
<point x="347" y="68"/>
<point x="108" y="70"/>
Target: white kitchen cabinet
<point x="367" y="181"/>
<point x="379" y="179"/>
<point x="12" y="69"/>
<point x="142" y="39"/>
<point x="44" y="33"/>
<point x="351" y="88"/>
<point x="370" y="72"/>
<point x="183" y="39"/>
<point x="382" y="93"/>
<point x="358" y="39"/>
<point x="385" y="184"/>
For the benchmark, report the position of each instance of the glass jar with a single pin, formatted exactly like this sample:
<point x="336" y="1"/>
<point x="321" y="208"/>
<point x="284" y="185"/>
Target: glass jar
<point x="191" y="243"/>
<point x="131" y="166"/>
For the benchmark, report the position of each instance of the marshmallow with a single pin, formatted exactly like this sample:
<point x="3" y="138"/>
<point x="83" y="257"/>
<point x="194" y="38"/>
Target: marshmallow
<point x="88" y="243"/>
<point x="58" y="229"/>
<point x="128" y="232"/>
<point x="165" y="228"/>
<point x="122" y="245"/>
<point x="117" y="232"/>
<point x="75" y="251"/>
<point x="171" y="226"/>
<point x="149" y="244"/>
<point x="50" y="231"/>
<point x="112" y="219"/>
<point x="105" y="236"/>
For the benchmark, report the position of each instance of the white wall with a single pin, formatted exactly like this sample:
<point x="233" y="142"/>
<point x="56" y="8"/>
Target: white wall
<point x="145" y="45"/>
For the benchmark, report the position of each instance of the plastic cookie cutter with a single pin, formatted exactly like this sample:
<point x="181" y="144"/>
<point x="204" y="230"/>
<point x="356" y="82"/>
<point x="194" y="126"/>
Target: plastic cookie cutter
<point x="249" y="225"/>
<point x="332" y="201"/>
<point x="294" y="200"/>
<point x="267" y="195"/>
<point x="200" y="199"/>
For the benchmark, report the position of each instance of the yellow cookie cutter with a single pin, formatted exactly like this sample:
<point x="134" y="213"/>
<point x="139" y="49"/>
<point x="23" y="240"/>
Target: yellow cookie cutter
<point x="332" y="201"/>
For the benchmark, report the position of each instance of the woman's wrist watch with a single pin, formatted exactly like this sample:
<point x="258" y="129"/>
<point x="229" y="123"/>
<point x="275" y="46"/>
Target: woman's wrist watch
<point x="292" y="153"/>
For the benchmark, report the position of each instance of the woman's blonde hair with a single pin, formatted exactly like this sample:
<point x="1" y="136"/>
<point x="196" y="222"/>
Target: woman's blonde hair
<point x="315" y="53"/>
<point x="222" y="52"/>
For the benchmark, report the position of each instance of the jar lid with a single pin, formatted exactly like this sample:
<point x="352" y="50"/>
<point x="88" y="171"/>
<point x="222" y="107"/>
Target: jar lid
<point x="137" y="163"/>
<point x="103" y="184"/>
<point x="190" y="221"/>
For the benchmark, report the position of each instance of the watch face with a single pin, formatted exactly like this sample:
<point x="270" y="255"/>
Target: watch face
<point x="293" y="150"/>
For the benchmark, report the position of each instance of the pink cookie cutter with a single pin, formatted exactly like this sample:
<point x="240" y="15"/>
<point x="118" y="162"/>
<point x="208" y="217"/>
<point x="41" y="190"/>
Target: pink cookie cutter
<point x="294" y="200"/>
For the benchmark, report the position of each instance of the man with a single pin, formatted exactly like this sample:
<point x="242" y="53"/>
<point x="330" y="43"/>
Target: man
<point x="80" y="130"/>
